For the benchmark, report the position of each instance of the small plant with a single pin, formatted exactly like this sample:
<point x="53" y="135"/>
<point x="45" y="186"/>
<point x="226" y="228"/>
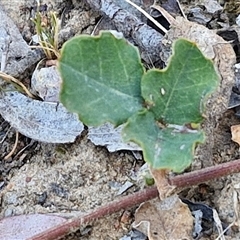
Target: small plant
<point x="105" y="81"/>
<point x="47" y="28"/>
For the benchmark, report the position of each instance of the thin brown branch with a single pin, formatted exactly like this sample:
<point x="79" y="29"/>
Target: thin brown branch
<point x="148" y="40"/>
<point x="115" y="206"/>
<point x="184" y="180"/>
<point x="206" y="174"/>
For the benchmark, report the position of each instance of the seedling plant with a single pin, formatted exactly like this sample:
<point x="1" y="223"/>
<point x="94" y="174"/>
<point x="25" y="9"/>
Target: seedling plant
<point x="47" y="29"/>
<point x="105" y="81"/>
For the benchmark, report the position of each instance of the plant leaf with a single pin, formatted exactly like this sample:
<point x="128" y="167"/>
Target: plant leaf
<point x="167" y="218"/>
<point x="101" y="78"/>
<point x="176" y="95"/>
<point x="168" y="148"/>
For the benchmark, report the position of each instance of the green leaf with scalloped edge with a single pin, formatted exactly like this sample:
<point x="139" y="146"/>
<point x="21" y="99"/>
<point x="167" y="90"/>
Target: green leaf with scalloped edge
<point x="169" y="148"/>
<point x="102" y="82"/>
<point x="101" y="78"/>
<point x="176" y="94"/>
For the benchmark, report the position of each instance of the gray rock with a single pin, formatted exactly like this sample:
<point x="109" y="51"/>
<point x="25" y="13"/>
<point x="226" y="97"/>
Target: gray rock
<point x="18" y="55"/>
<point x="46" y="83"/>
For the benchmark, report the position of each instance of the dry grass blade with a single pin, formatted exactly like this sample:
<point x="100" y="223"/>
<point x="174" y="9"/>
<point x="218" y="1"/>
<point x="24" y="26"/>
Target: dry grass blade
<point x="14" y="81"/>
<point x="50" y="49"/>
<point x="171" y="20"/>
<point x="148" y="16"/>
<point x="14" y="147"/>
<point x="182" y="12"/>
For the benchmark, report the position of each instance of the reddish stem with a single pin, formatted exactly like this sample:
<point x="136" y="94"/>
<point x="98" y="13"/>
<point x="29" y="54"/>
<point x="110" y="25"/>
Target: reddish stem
<point x="115" y="206"/>
<point x="184" y="180"/>
<point x="205" y="174"/>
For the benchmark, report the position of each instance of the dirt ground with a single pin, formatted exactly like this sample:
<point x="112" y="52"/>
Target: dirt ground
<point x="69" y="179"/>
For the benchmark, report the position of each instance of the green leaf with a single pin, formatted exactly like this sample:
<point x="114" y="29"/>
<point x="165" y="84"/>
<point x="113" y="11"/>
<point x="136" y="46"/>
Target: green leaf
<point x="168" y="148"/>
<point x="176" y="94"/>
<point x="101" y="78"/>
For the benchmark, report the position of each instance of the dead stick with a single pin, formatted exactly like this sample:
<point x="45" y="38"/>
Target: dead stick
<point x="148" y="40"/>
<point x="184" y="180"/>
<point x="206" y="174"/>
<point x="115" y="206"/>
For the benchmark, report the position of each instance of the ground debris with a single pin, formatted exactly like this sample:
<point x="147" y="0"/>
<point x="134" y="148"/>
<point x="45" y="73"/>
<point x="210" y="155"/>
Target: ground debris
<point x="167" y="219"/>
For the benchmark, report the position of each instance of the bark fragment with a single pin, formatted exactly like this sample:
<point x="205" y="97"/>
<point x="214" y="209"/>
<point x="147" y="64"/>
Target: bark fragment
<point x="147" y="39"/>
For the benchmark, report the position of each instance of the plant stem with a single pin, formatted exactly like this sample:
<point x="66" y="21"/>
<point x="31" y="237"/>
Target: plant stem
<point x="205" y="174"/>
<point x="184" y="180"/>
<point x="115" y="206"/>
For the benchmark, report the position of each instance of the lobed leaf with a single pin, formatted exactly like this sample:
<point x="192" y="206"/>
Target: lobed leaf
<point x="176" y="94"/>
<point x="168" y="148"/>
<point x="101" y="78"/>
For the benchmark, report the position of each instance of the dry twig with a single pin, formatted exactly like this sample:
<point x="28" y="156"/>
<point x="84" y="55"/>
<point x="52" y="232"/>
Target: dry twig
<point x="148" y="40"/>
<point x="187" y="179"/>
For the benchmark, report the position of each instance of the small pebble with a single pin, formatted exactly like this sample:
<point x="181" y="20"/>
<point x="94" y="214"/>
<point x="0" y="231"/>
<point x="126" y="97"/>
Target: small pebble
<point x="8" y="212"/>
